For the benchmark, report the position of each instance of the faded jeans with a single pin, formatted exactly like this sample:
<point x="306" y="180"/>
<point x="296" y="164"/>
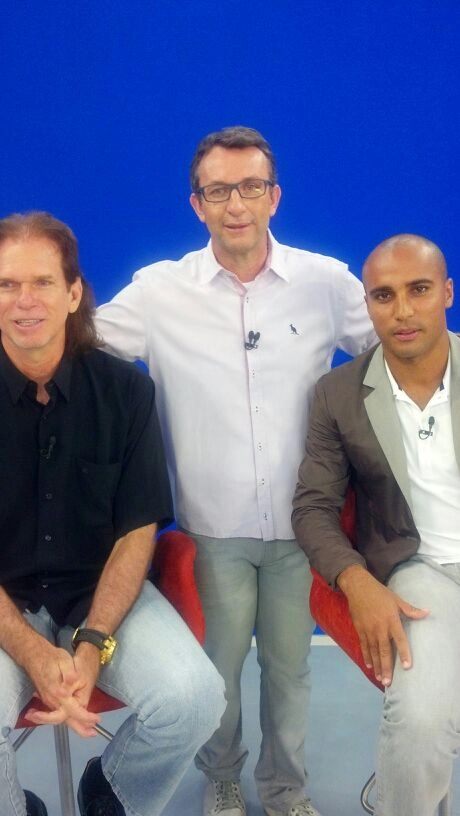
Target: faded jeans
<point x="248" y="584"/>
<point x="160" y="671"/>
<point x="420" y="726"/>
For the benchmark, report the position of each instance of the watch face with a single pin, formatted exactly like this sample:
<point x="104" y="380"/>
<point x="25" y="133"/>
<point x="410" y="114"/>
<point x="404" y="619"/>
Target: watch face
<point x="110" y="644"/>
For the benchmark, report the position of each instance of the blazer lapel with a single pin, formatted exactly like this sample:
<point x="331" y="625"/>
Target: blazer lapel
<point x="455" y="392"/>
<point x="380" y="406"/>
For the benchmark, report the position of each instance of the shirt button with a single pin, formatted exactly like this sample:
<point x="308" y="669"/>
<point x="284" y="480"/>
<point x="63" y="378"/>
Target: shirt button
<point x="48" y="537"/>
<point x="48" y="495"/>
<point x="44" y="586"/>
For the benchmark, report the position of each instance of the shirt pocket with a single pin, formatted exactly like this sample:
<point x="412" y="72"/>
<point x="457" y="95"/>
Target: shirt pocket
<point x="96" y="489"/>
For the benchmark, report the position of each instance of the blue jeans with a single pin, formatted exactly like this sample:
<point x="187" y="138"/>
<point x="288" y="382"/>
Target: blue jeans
<point x="248" y="584"/>
<point x="160" y="671"/>
<point x="420" y="727"/>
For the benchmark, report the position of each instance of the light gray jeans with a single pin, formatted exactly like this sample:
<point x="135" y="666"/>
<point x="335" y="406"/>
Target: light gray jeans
<point x="247" y="584"/>
<point x="161" y="672"/>
<point x="420" y="727"/>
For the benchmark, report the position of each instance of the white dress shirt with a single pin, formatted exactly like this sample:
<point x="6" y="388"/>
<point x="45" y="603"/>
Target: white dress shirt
<point x="433" y="470"/>
<point x="233" y="415"/>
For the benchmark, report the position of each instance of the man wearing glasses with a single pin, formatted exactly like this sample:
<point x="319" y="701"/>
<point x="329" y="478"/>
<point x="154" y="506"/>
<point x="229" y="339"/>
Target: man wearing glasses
<point x="235" y="336"/>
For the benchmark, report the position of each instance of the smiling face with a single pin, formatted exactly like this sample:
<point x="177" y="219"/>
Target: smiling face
<point x="238" y="227"/>
<point x="35" y="300"/>
<point x="407" y="293"/>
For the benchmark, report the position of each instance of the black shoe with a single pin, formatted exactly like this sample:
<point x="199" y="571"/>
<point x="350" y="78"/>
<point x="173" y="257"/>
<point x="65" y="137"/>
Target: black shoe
<point x="34" y="805"/>
<point x="95" y="795"/>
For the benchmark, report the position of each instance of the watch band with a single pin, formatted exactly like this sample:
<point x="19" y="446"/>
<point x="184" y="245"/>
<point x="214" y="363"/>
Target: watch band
<point x="105" y="643"/>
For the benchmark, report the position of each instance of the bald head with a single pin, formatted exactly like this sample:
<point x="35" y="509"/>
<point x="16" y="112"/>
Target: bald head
<point x="402" y="245"/>
<point x="407" y="294"/>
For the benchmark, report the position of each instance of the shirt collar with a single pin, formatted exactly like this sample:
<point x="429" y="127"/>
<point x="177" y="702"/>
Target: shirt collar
<point x="210" y="266"/>
<point x="17" y="382"/>
<point x="443" y="389"/>
<point x="278" y="262"/>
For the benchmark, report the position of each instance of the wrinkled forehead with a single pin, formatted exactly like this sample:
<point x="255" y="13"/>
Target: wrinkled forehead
<point x="35" y="255"/>
<point x="233" y="164"/>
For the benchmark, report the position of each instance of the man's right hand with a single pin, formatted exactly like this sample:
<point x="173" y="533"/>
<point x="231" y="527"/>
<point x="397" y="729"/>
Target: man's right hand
<point x="57" y="680"/>
<point x="376" y="614"/>
<point x="54" y="673"/>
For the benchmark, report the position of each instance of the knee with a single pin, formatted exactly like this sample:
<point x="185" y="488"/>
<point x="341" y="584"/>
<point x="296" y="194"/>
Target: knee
<point x="418" y="722"/>
<point x="285" y="667"/>
<point x="192" y="704"/>
<point x="204" y="701"/>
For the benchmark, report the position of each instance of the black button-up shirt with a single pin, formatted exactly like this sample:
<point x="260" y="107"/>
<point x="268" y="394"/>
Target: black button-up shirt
<point x="75" y="475"/>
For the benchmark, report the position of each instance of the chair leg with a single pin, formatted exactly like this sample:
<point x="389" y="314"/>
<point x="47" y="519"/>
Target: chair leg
<point x="26" y="732"/>
<point x="103" y="732"/>
<point x="365" y="795"/>
<point x="64" y="769"/>
<point x="64" y="762"/>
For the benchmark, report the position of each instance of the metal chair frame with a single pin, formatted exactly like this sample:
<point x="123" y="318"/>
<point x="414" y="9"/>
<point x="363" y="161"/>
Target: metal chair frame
<point x="444" y="807"/>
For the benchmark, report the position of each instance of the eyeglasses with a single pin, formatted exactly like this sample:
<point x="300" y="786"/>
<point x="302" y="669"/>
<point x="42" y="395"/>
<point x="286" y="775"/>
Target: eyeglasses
<point x="249" y="188"/>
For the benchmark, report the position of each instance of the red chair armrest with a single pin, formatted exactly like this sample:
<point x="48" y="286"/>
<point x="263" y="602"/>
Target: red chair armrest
<point x="329" y="608"/>
<point x="173" y="574"/>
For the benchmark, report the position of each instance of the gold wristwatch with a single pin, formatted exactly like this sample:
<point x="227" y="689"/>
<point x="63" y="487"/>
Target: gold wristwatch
<point x="105" y="643"/>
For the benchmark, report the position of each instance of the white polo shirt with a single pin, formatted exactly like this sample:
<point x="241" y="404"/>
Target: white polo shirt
<point x="433" y="470"/>
<point x="233" y="406"/>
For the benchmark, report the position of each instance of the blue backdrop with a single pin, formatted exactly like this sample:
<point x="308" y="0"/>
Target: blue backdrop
<point x="104" y="102"/>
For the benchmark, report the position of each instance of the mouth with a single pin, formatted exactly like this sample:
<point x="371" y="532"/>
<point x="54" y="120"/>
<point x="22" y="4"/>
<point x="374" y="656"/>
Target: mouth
<point x="406" y="335"/>
<point x="25" y="324"/>
<point x="236" y="227"/>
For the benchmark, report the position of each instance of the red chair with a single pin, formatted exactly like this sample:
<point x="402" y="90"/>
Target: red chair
<point x="329" y="608"/>
<point x="173" y="573"/>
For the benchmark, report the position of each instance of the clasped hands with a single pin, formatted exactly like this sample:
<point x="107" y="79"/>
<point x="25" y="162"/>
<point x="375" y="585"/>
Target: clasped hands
<point x="64" y="683"/>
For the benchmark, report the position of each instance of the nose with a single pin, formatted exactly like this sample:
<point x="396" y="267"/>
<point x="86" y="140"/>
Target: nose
<point x="25" y="298"/>
<point x="235" y="203"/>
<point x="403" y="307"/>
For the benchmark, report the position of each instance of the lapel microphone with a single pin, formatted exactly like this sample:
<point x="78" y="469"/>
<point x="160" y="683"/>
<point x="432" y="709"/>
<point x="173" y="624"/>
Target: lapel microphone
<point x="423" y="432"/>
<point x="46" y="452"/>
<point x="251" y="342"/>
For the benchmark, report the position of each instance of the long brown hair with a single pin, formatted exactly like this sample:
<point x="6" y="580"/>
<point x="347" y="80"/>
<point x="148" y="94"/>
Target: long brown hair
<point x="80" y="331"/>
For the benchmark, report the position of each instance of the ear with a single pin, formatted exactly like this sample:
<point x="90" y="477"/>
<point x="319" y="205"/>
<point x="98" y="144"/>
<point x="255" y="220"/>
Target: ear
<point x="449" y="293"/>
<point x="197" y="205"/>
<point x="275" y="195"/>
<point x="75" y="295"/>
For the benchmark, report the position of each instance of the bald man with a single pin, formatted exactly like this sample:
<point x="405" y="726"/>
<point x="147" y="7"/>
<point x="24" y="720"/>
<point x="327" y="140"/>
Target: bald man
<point x="388" y="424"/>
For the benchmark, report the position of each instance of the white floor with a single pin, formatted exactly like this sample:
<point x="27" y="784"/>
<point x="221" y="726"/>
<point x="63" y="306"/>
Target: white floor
<point x="344" y="716"/>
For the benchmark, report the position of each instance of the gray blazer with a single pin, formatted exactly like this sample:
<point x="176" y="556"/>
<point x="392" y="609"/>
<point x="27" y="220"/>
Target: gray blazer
<point x="354" y="437"/>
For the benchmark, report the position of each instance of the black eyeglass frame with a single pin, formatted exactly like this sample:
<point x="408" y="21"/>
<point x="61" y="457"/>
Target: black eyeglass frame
<point x="230" y="187"/>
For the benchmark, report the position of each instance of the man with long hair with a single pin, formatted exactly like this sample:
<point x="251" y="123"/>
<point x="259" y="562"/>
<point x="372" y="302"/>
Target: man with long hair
<point x="83" y="488"/>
